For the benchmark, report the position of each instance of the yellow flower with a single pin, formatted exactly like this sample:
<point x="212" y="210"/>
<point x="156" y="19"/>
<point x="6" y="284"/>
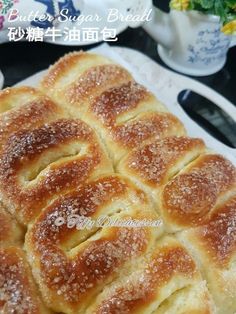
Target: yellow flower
<point x="229" y="28"/>
<point x="180" y="4"/>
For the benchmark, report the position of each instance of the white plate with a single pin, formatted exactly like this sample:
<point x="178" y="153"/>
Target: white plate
<point x="166" y="85"/>
<point x="1" y="79"/>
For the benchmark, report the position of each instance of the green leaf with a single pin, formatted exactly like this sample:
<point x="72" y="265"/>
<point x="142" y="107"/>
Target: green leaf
<point x="231" y="3"/>
<point x="225" y="9"/>
<point x="207" y="4"/>
<point x="191" y="5"/>
<point x="220" y="10"/>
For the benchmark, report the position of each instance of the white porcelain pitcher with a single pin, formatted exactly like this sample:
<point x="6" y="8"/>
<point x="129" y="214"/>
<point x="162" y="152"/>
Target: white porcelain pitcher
<point x="189" y="41"/>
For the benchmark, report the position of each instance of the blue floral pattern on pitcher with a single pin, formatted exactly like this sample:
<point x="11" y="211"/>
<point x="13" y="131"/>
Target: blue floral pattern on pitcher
<point x="53" y="8"/>
<point x="210" y="46"/>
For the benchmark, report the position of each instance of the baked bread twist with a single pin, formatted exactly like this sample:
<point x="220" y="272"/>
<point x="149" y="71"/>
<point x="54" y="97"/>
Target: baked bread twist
<point x="44" y="156"/>
<point x="105" y="95"/>
<point x="100" y="148"/>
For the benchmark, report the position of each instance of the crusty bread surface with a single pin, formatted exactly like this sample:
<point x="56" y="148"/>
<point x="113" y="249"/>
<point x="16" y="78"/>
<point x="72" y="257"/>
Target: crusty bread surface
<point x="106" y="205"/>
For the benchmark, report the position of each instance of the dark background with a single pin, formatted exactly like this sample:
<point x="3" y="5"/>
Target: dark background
<point x="22" y="59"/>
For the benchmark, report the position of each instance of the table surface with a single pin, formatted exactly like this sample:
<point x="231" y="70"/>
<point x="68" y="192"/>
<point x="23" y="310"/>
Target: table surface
<point x="22" y="59"/>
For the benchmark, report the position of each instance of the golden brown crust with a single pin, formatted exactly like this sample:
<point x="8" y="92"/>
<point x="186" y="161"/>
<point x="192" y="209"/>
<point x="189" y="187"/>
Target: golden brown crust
<point x="60" y="68"/>
<point x="188" y="199"/>
<point x="24" y="108"/>
<point x="93" y="82"/>
<point x="10" y="231"/>
<point x="163" y="276"/>
<point x="122" y="111"/>
<point x="18" y="292"/>
<point x="47" y="161"/>
<point x="78" y="77"/>
<point x="155" y="163"/>
<point x="157" y="274"/>
<point x="147" y="127"/>
<point x="128" y="115"/>
<point x="81" y="61"/>
<point x="13" y="97"/>
<point x="116" y="101"/>
<point x="218" y="235"/>
<point x="91" y="200"/>
<point x="214" y="244"/>
<point x="56" y="178"/>
<point x="72" y="271"/>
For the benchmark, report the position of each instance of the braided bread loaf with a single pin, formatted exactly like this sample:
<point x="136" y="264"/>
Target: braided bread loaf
<point x="93" y="145"/>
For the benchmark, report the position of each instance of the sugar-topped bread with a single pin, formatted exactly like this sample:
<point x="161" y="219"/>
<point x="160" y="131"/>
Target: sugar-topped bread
<point x="105" y="95"/>
<point x="106" y="205"/>
<point x="213" y="245"/>
<point x="73" y="266"/>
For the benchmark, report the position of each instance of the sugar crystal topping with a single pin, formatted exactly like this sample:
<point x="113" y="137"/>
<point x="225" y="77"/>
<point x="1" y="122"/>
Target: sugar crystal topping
<point x="15" y="287"/>
<point x="152" y="161"/>
<point x="74" y="267"/>
<point x="95" y="77"/>
<point x="118" y="100"/>
<point x="197" y="190"/>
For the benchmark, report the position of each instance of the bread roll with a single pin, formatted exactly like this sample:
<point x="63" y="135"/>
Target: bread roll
<point x="10" y="230"/>
<point x="167" y="282"/>
<point x="190" y="198"/>
<point x="18" y="291"/>
<point x="153" y="165"/>
<point x="73" y="266"/>
<point x="106" y="205"/>
<point x="23" y="108"/>
<point x="105" y="95"/>
<point x="213" y="246"/>
<point x="45" y="157"/>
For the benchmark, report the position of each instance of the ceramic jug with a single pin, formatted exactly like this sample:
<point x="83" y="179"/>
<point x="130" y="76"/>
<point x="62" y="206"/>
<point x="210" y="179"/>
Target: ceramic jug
<point x="189" y="41"/>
